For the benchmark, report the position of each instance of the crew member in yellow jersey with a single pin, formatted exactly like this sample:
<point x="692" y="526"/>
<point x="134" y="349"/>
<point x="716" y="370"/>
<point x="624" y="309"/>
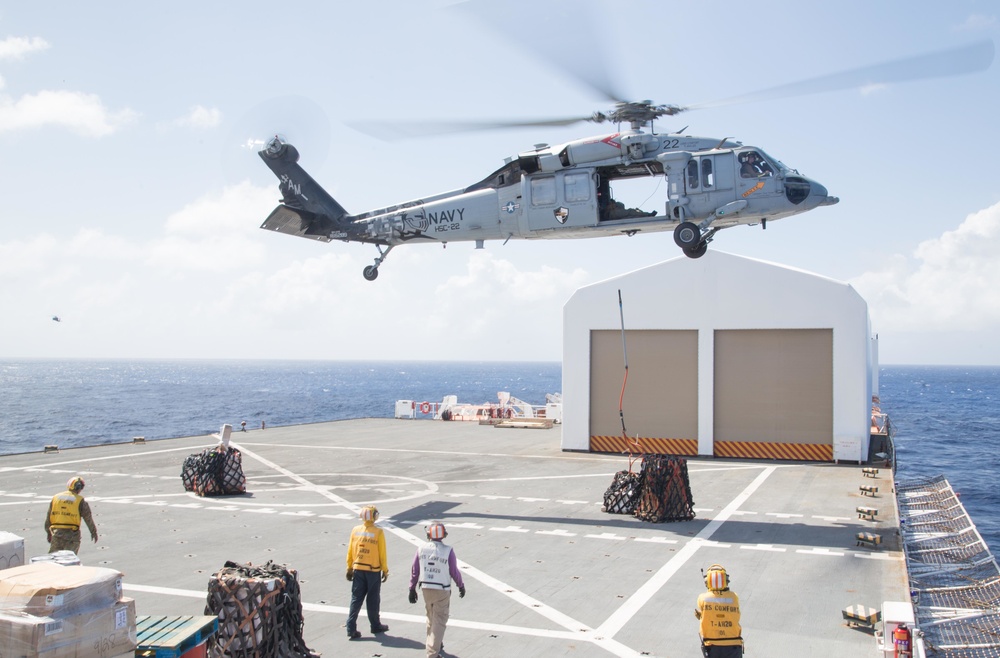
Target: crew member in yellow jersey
<point x="62" y="523"/>
<point x="367" y="569"/>
<point x="718" y="611"/>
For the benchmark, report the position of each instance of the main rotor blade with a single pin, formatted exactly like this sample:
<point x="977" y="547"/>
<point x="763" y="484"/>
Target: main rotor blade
<point x="956" y="61"/>
<point x="563" y="33"/>
<point x="391" y="130"/>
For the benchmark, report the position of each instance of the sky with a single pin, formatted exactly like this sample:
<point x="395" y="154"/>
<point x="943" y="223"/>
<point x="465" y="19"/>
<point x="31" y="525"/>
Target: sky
<point x="132" y="201"/>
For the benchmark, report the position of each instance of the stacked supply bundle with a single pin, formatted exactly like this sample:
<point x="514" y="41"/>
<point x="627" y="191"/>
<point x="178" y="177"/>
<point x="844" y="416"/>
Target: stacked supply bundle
<point x="666" y="490"/>
<point x="53" y="611"/>
<point x="622" y="495"/>
<point x="214" y="472"/>
<point x="259" y="611"/>
<point x="659" y="492"/>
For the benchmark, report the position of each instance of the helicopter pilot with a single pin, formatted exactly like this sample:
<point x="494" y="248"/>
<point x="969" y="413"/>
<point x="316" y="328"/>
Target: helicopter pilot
<point x="754" y="166"/>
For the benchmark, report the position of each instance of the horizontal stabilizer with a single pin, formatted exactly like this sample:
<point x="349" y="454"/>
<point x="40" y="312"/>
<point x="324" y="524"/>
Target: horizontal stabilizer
<point x="306" y="209"/>
<point x="305" y="225"/>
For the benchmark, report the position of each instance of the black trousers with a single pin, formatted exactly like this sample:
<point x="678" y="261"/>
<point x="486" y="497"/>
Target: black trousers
<point x="366" y="587"/>
<point x="723" y="651"/>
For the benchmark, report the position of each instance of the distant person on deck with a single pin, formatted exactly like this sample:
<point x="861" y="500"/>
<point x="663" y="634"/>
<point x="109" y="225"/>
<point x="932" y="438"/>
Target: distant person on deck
<point x="367" y="569"/>
<point x="718" y="612"/>
<point x="62" y="522"/>
<point x="434" y="569"/>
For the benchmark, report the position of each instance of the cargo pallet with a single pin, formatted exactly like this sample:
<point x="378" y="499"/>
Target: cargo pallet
<point x="172" y="637"/>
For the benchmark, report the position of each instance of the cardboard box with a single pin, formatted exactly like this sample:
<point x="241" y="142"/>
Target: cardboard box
<point x="46" y="589"/>
<point x="96" y="633"/>
<point x="11" y="550"/>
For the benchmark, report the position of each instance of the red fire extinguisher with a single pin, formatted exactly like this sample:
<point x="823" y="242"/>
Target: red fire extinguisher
<point x="901" y="641"/>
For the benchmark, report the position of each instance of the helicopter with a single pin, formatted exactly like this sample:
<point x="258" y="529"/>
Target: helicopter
<point x="564" y="191"/>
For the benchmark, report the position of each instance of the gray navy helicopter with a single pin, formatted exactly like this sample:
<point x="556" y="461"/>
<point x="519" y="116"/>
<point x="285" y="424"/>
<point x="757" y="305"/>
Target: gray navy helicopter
<point x="565" y="191"/>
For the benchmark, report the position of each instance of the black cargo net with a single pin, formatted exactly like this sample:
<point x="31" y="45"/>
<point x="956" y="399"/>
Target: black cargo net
<point x="659" y="492"/>
<point x="259" y="610"/>
<point x="214" y="472"/>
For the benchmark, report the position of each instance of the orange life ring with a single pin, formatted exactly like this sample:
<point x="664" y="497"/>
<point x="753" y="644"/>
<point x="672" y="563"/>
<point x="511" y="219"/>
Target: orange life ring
<point x="425" y="407"/>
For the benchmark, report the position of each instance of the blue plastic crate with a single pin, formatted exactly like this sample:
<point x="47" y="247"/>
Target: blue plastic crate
<point x="171" y="637"/>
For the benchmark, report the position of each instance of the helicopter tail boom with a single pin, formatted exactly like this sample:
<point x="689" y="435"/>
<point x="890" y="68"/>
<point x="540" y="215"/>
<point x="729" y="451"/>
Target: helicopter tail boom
<point x="306" y="209"/>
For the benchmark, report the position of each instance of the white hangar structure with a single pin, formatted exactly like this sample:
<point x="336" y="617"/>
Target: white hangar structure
<point x="727" y="356"/>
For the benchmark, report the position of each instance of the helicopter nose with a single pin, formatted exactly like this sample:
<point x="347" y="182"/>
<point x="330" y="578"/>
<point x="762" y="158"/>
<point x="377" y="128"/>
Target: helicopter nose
<point x="801" y="190"/>
<point x="822" y="197"/>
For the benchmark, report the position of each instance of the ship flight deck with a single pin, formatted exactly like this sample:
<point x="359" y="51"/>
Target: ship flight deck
<point x="547" y="572"/>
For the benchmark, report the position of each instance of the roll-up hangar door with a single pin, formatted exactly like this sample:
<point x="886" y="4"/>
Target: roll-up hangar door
<point x="774" y="394"/>
<point x="661" y="396"/>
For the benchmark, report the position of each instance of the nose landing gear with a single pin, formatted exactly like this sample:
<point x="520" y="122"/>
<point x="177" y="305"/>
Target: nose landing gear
<point x="688" y="236"/>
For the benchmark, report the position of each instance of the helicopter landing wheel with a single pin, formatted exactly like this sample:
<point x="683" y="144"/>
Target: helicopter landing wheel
<point x="687" y="235"/>
<point x="370" y="273"/>
<point x="696" y="252"/>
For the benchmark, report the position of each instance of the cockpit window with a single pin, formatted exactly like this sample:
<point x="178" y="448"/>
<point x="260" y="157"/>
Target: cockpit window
<point x="753" y="165"/>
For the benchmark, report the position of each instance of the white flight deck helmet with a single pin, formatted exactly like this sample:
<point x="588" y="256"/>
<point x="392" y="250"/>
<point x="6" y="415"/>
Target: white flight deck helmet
<point x="717" y="579"/>
<point x="369" y="513"/>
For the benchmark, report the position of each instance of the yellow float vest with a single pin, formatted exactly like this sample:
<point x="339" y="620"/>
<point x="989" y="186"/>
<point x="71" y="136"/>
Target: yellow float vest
<point x="65" y="511"/>
<point x="720" y="618"/>
<point x="364" y="545"/>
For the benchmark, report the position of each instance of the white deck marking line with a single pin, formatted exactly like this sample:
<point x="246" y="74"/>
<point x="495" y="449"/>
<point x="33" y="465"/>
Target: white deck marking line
<point x="606" y="458"/>
<point x="559" y="532"/>
<point x="763" y="547"/>
<point x="578" y="629"/>
<point x="342" y="610"/>
<point x="522" y="479"/>
<point x="93" y="459"/>
<point x="819" y="551"/>
<point x="510" y="528"/>
<point x="634" y="603"/>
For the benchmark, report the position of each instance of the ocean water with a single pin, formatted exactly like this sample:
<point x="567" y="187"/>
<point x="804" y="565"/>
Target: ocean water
<point x="947" y="419"/>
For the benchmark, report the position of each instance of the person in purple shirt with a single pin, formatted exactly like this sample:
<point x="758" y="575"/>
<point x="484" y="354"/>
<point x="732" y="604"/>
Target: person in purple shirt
<point x="434" y="569"/>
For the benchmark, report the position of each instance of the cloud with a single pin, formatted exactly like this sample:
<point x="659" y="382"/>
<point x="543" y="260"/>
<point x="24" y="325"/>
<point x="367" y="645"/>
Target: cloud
<point x="977" y="23"/>
<point x="81" y="113"/>
<point x="210" y="283"/>
<point x="947" y="284"/>
<point x="18" y="47"/>
<point x="873" y="88"/>
<point x="216" y="232"/>
<point x="25" y="257"/>
<point x="199" y="118"/>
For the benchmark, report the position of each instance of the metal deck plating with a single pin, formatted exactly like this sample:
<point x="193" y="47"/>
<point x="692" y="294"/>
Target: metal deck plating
<point x="547" y="573"/>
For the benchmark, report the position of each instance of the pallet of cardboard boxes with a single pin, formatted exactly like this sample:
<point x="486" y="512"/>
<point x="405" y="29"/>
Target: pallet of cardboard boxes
<point x="48" y="610"/>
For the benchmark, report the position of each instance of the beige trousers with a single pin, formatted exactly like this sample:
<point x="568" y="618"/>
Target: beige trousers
<point x="437" y="602"/>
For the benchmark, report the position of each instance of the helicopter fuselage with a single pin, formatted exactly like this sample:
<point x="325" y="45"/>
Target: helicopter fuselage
<point x="565" y="191"/>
